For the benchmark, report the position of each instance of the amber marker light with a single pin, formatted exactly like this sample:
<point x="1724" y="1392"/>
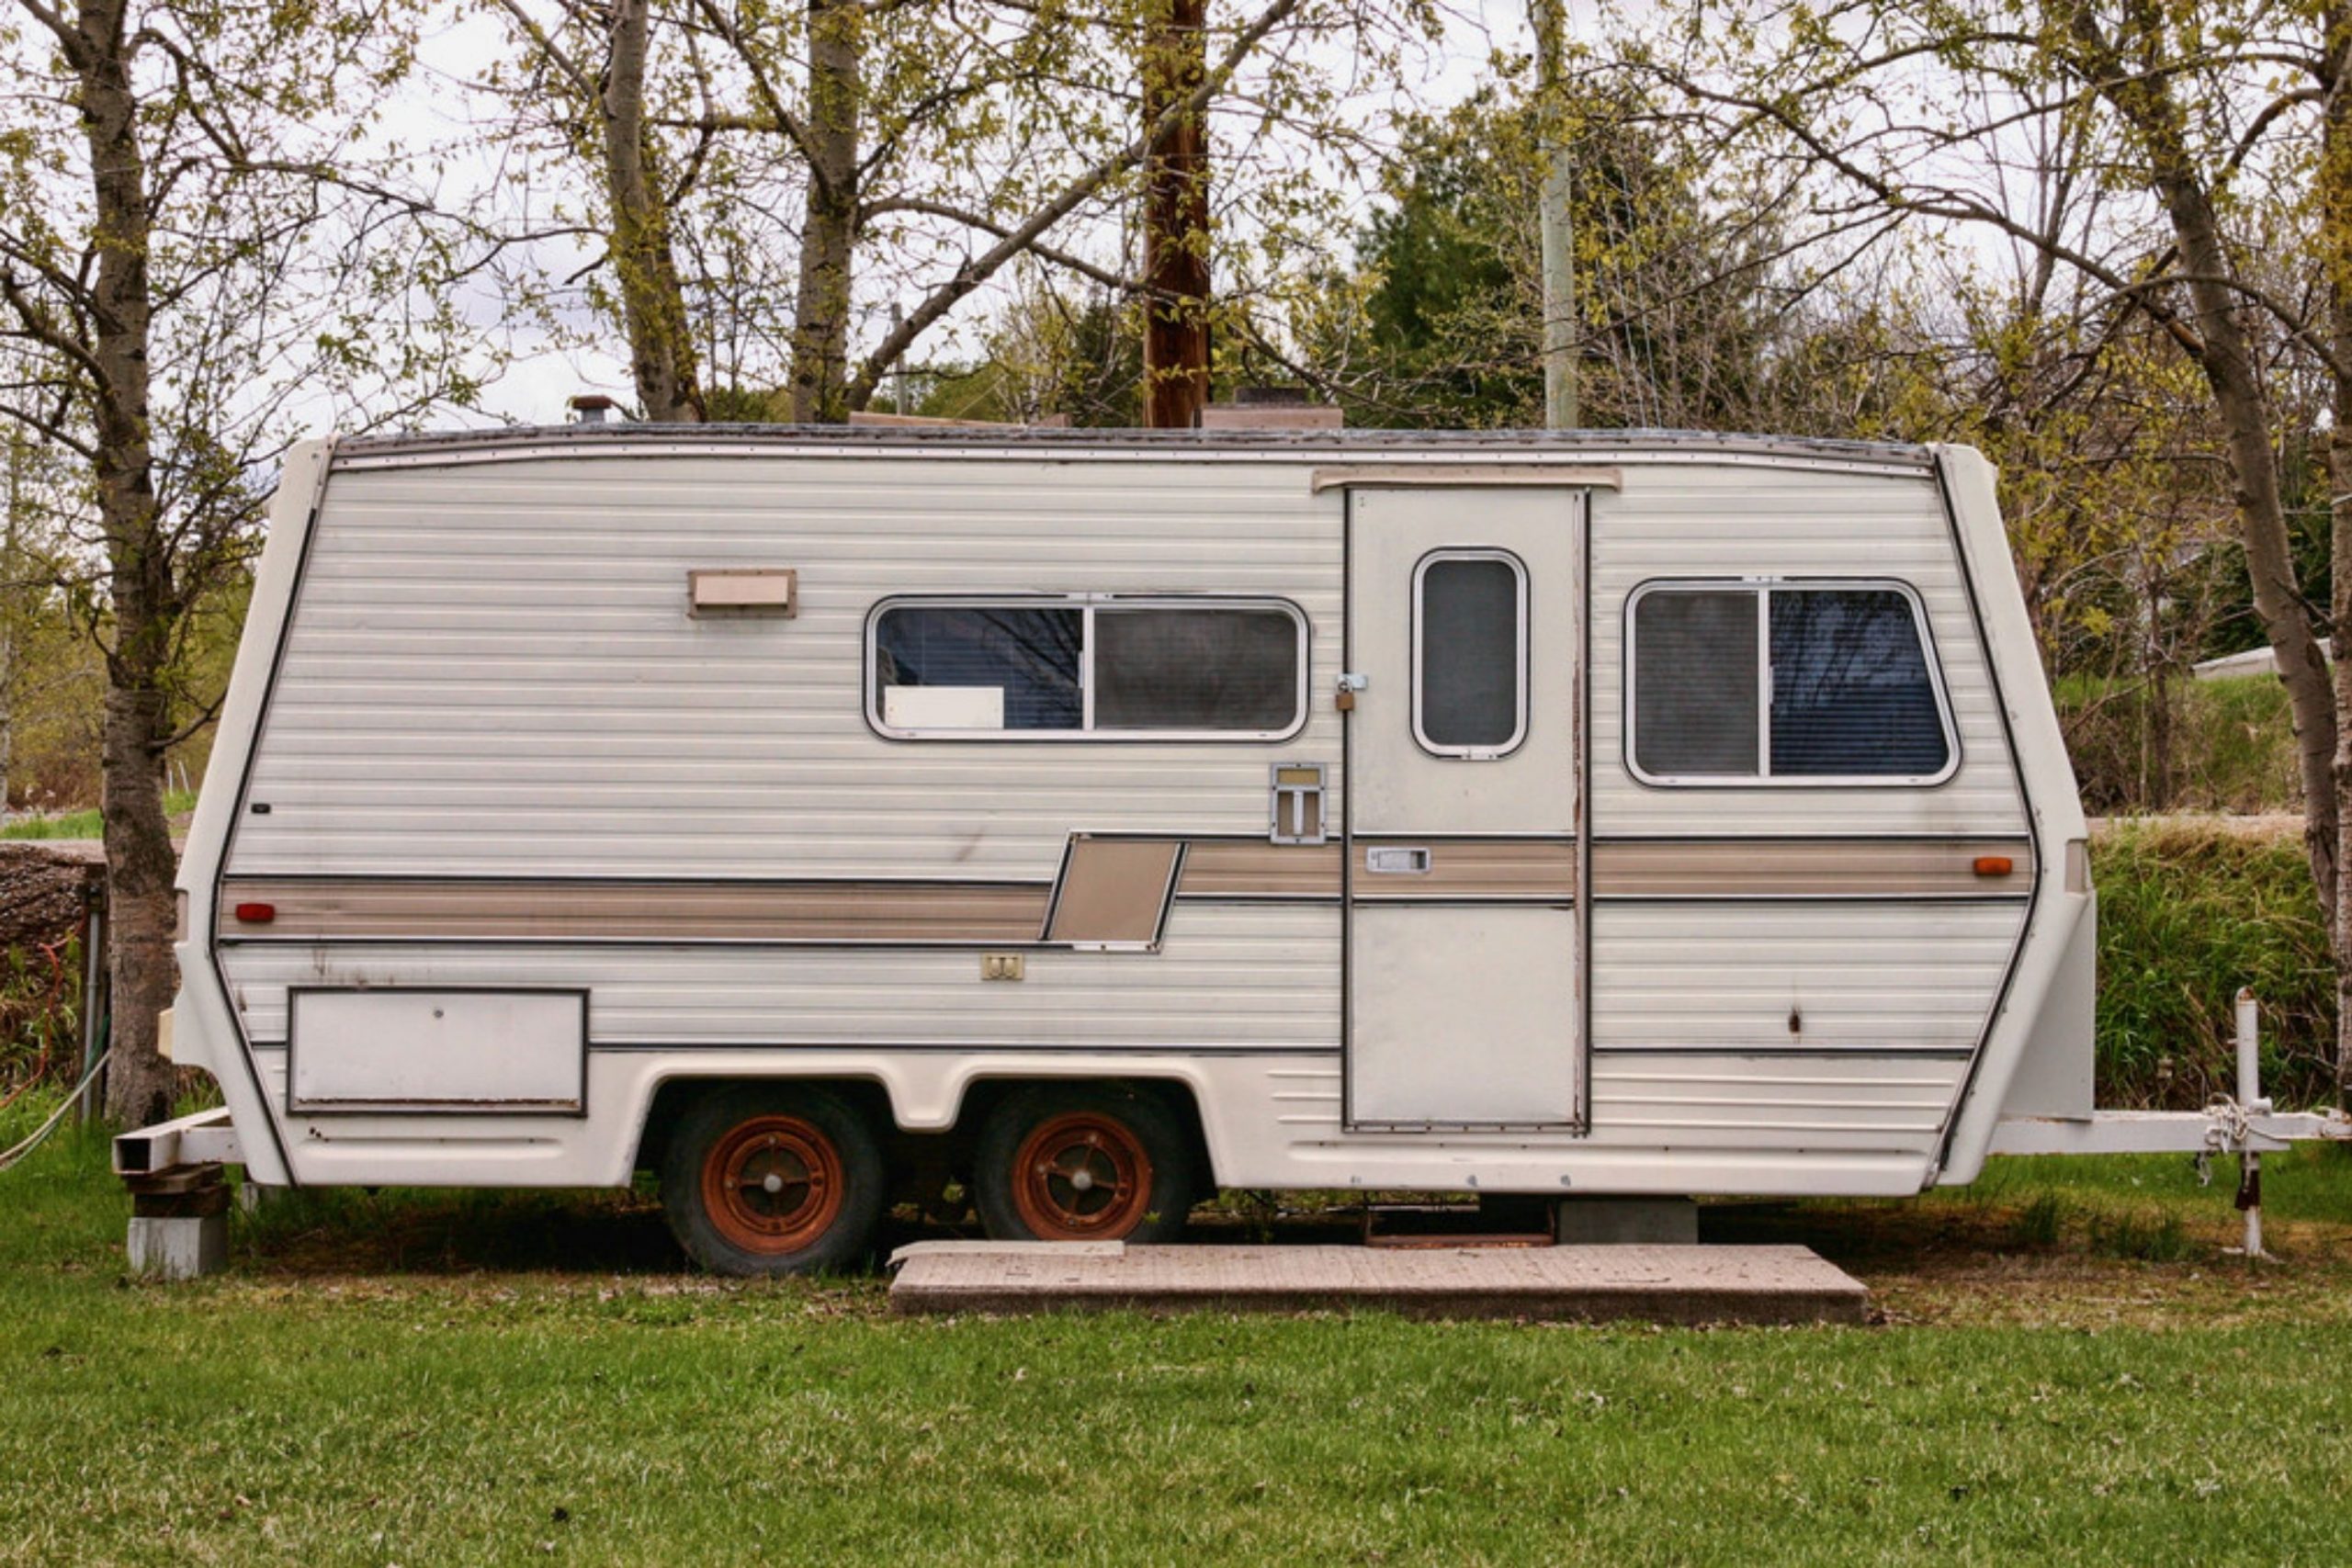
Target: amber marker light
<point x="1993" y="866"/>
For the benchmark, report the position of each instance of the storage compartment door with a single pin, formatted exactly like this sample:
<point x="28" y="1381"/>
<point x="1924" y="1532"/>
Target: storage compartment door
<point x="438" y="1050"/>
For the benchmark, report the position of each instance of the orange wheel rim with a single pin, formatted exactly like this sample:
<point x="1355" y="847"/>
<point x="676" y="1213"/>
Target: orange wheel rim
<point x="773" y="1184"/>
<point x="1081" y="1177"/>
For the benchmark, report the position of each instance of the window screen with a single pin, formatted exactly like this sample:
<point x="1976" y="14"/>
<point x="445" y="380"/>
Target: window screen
<point x="1073" y="669"/>
<point x="1851" y="689"/>
<point x="1851" y="694"/>
<point x="1694" y="684"/>
<point x="1470" y="644"/>
<point x="1028" y="656"/>
<point x="1168" y="668"/>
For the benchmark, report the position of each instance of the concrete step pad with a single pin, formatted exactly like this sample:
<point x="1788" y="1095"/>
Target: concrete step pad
<point x="1677" y="1284"/>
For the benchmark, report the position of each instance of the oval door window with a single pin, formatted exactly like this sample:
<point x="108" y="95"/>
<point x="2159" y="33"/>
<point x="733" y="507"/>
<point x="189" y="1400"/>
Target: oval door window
<point x="1470" y="653"/>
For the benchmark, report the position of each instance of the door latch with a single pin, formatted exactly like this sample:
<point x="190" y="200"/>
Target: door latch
<point x="1348" y="685"/>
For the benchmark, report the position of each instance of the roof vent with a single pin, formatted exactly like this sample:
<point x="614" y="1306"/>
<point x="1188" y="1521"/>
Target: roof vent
<point x="591" y="408"/>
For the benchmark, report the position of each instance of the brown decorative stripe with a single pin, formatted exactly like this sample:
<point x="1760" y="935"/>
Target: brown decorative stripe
<point x="1244" y="868"/>
<point x="1816" y="867"/>
<point x="1114" y="890"/>
<point x="1468" y="868"/>
<point x="794" y="911"/>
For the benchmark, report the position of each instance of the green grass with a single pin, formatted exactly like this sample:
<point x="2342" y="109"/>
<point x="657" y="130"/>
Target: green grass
<point x="316" y="1406"/>
<point x="89" y="824"/>
<point x="2188" y="912"/>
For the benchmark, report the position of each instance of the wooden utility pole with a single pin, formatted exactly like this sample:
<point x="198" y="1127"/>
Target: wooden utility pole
<point x="1176" y="219"/>
<point x="1560" y="411"/>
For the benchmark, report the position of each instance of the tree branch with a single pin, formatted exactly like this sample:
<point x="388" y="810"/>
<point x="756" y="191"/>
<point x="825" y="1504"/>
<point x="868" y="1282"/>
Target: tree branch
<point x="987" y="225"/>
<point x="581" y="82"/>
<point x="1024" y="236"/>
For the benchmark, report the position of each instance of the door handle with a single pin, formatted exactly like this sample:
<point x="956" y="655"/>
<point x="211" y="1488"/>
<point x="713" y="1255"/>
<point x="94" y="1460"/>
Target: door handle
<point x="1397" y="860"/>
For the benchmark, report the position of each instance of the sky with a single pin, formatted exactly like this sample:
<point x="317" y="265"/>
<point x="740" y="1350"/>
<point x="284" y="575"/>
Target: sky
<point x="535" y="384"/>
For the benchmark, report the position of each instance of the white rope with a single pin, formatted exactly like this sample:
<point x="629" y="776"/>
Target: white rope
<point x="2229" y="1128"/>
<point x="14" y="1155"/>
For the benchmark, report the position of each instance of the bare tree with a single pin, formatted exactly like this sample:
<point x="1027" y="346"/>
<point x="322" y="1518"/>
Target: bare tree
<point x="638" y="226"/>
<point x="2201" y="121"/>
<point x="164" y="264"/>
<point x="915" y="146"/>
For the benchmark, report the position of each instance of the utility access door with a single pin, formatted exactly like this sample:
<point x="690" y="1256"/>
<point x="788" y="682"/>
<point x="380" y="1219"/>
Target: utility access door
<point x="1465" y="610"/>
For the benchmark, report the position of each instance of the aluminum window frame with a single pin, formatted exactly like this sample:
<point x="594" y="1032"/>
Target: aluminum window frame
<point x="1764" y="778"/>
<point x="1525" y="642"/>
<point x="1088" y="603"/>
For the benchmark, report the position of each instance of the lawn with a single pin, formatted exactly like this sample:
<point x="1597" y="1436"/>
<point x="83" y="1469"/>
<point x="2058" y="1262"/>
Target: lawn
<point x="90" y="823"/>
<point x="2070" y="1369"/>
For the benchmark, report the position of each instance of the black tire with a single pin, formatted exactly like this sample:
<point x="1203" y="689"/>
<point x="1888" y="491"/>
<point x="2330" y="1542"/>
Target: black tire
<point x="1085" y="1162"/>
<point x="773" y="1179"/>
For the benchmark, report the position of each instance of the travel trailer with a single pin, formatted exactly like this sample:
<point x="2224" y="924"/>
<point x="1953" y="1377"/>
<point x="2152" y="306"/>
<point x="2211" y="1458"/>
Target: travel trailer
<point x="1095" y="818"/>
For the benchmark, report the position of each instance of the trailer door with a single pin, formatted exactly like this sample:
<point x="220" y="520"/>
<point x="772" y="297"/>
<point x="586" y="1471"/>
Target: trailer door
<point x="1462" y="880"/>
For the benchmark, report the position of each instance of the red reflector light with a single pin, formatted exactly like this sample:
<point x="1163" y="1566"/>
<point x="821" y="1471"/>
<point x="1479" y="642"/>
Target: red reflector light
<point x="257" y="914"/>
<point x="1993" y="866"/>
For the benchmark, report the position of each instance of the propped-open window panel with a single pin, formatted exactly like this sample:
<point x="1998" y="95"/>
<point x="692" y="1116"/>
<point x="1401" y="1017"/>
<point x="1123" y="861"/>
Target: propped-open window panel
<point x="1115" y="892"/>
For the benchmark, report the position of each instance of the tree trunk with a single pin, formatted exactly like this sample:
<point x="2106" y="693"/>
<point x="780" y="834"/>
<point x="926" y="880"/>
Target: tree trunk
<point x="1176" y="221"/>
<point x="829" y="238"/>
<point x="1560" y="406"/>
<point x="2334" y="205"/>
<point x="653" y="306"/>
<point x="2229" y="367"/>
<point x="2146" y="100"/>
<point x="140" y="865"/>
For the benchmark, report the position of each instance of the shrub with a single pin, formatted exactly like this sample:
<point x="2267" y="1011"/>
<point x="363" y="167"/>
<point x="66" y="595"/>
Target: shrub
<point x="2231" y="748"/>
<point x="2190" y="910"/>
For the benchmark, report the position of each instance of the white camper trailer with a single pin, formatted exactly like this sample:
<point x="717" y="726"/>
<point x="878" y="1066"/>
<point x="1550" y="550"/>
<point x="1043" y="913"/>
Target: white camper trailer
<point x="1104" y="818"/>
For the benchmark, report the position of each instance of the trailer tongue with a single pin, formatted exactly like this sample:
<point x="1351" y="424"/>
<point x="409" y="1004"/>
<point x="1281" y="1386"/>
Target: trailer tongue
<point x="2244" y="1124"/>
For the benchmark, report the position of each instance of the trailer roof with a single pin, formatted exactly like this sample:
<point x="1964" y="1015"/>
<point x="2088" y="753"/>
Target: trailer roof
<point x="1517" y="446"/>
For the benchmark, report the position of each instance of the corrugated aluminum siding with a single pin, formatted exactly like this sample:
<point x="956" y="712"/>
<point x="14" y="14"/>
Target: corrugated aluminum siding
<point x="1685" y="522"/>
<point x="491" y="670"/>
<point x="1232" y="975"/>
<point x="1777" y="1104"/>
<point x="1859" y="977"/>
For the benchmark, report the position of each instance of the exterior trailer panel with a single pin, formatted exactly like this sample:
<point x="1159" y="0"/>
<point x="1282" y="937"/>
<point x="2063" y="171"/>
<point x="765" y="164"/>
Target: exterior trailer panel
<point x="476" y="739"/>
<point x="492" y="671"/>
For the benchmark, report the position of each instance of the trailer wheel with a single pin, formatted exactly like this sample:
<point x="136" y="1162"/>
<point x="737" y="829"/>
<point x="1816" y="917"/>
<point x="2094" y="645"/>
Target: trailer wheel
<point x="773" y="1180"/>
<point x="1084" y="1163"/>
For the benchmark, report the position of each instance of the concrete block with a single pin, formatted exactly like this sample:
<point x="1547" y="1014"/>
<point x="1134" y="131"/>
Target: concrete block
<point x="1620" y="1222"/>
<point x="179" y="1249"/>
<point x="1659" y="1284"/>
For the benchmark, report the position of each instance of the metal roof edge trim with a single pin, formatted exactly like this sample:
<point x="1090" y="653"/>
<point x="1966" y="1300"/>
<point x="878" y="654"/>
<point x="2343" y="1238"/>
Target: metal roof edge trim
<point x="1634" y="446"/>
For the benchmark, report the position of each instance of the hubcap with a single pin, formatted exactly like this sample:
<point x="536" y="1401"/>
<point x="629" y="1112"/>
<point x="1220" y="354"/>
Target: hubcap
<point x="773" y="1184"/>
<point x="1083" y="1176"/>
